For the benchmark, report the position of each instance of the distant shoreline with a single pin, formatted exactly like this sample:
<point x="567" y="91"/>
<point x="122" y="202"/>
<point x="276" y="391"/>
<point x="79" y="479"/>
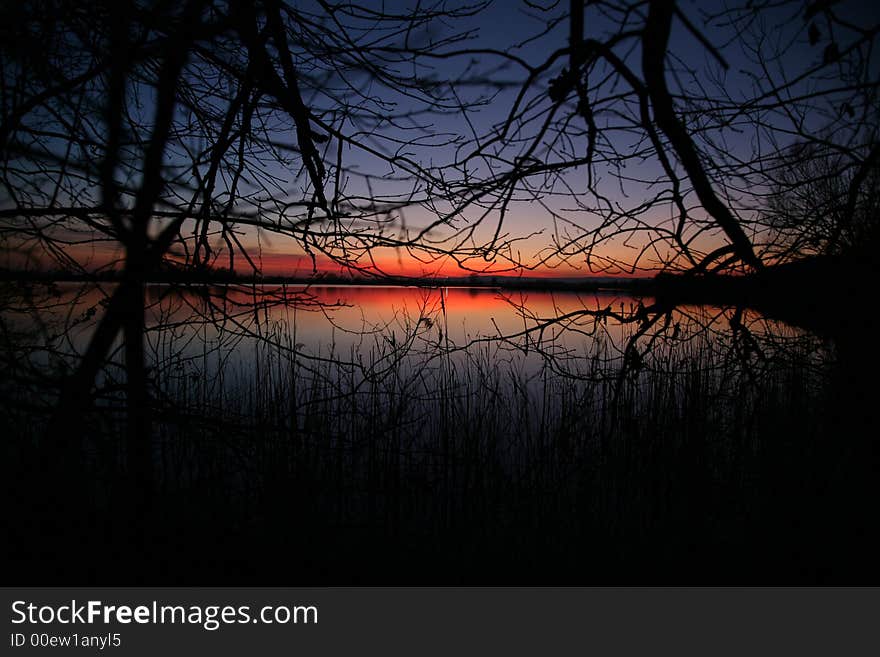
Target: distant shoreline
<point x="215" y="278"/>
<point x="800" y="293"/>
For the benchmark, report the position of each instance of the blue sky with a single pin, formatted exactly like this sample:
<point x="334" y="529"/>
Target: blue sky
<point x="553" y="208"/>
<point x="550" y="220"/>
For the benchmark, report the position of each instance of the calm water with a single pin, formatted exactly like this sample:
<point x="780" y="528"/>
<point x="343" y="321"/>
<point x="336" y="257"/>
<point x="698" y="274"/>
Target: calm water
<point x="465" y="431"/>
<point x="243" y="350"/>
<point x="209" y="331"/>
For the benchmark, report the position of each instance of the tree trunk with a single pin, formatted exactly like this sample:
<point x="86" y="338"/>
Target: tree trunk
<point x="139" y="450"/>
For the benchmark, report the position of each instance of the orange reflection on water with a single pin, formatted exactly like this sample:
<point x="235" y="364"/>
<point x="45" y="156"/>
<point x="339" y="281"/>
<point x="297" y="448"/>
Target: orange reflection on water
<point x="350" y="319"/>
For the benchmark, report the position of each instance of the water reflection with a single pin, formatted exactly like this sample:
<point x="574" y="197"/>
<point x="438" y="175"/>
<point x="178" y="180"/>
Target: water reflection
<point x="223" y="334"/>
<point x="594" y="435"/>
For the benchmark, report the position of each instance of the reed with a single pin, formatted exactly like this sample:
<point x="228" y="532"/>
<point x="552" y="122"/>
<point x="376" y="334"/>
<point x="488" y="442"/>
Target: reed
<point x="475" y="459"/>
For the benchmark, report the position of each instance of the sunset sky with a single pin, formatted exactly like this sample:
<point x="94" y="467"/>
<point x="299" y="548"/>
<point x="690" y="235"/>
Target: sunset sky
<point x="547" y="224"/>
<point x="509" y="27"/>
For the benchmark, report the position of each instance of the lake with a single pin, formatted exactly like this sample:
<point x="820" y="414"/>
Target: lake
<point x="238" y="343"/>
<point x="474" y="429"/>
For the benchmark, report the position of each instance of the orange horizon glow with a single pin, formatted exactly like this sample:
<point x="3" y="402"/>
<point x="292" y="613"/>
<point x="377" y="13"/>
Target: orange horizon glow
<point x="384" y="262"/>
<point x="284" y="264"/>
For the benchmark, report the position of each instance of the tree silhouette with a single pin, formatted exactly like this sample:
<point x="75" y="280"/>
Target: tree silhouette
<point x="180" y="131"/>
<point x="662" y="128"/>
<point x="823" y="202"/>
<point x="150" y="140"/>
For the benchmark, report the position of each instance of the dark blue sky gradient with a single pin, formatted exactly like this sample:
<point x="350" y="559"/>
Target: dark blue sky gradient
<point x="776" y="50"/>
